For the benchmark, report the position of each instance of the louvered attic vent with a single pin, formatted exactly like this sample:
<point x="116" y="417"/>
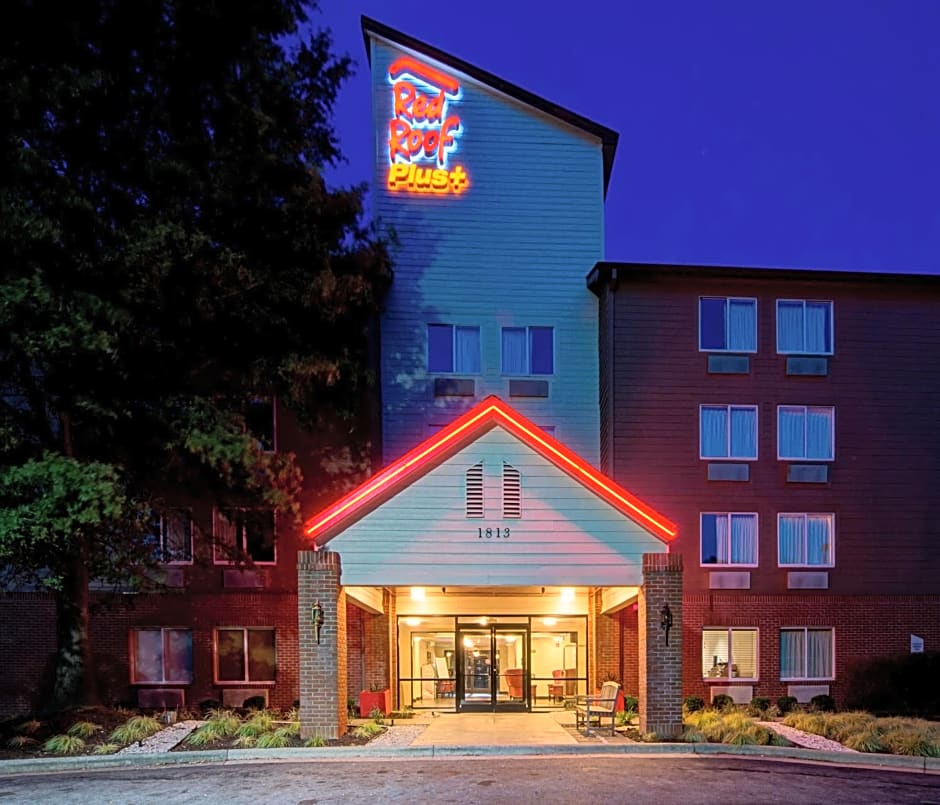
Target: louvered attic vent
<point x="475" y="491"/>
<point x="512" y="491"/>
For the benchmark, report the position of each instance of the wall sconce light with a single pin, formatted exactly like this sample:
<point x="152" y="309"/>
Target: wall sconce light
<point x="316" y="617"/>
<point x="443" y="591"/>
<point x="665" y="620"/>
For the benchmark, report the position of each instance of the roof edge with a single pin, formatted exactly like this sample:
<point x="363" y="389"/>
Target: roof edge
<point x="611" y="274"/>
<point x="607" y="136"/>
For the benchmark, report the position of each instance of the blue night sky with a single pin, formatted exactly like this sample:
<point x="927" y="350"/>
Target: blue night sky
<point x="800" y="134"/>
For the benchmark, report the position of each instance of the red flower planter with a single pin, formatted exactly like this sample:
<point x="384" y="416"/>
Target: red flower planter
<point x="369" y="700"/>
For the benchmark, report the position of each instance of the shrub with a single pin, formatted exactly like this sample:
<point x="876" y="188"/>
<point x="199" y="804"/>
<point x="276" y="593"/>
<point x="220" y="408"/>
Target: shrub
<point x="315" y="741"/>
<point x="722" y="702"/>
<point x="693" y="704"/>
<point x="64" y="745"/>
<point x="823" y="703"/>
<point x="377" y="715"/>
<point x="840" y="727"/>
<point x="631" y="703"/>
<point x="84" y="729"/>
<point x="21" y="742"/>
<point x="759" y="706"/>
<point x="258" y="724"/>
<point x="368" y="730"/>
<point x="255" y="703"/>
<point x="206" y="734"/>
<point x="106" y="749"/>
<point x="808" y="722"/>
<point x="246" y="741"/>
<point x="208" y="705"/>
<point x="29" y="727"/>
<point x="786" y="704"/>
<point x="226" y="722"/>
<point x="910" y="741"/>
<point x="903" y="685"/>
<point x="693" y="736"/>
<point x="868" y="740"/>
<point x="136" y="728"/>
<point x="274" y="740"/>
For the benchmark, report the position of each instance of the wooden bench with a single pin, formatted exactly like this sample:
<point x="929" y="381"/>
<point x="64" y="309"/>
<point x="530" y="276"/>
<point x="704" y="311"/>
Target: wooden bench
<point x="590" y="708"/>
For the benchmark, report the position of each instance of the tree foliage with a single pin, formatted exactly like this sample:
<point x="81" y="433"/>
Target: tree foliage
<point x="169" y="251"/>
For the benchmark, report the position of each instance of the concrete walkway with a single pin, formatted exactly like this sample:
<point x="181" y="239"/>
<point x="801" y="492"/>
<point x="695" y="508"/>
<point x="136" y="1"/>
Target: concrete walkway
<point x="491" y="729"/>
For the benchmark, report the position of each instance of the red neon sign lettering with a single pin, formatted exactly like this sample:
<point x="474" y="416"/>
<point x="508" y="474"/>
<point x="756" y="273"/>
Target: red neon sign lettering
<point x="421" y="130"/>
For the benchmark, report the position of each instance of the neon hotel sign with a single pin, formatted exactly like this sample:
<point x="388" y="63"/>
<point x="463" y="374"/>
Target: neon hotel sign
<point x="423" y="134"/>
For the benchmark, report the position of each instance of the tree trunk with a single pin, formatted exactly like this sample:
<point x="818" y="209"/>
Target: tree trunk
<point x="75" y="682"/>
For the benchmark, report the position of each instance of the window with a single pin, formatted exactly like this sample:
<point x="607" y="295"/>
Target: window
<point x="806" y="432"/>
<point x="243" y="533"/>
<point x="728" y="431"/>
<point x="260" y="422"/>
<point x="806" y="653"/>
<point x="528" y="350"/>
<point x="161" y="656"/>
<point x="245" y="655"/>
<point x="172" y="536"/>
<point x="804" y="328"/>
<point x="512" y="491"/>
<point x="729" y="653"/>
<point x="474" y="491"/>
<point x="804" y="539"/>
<point x="727" y="324"/>
<point x="453" y="349"/>
<point x="729" y="538"/>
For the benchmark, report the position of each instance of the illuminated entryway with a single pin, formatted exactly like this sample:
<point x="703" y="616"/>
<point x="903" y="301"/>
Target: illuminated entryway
<point x="492" y="663"/>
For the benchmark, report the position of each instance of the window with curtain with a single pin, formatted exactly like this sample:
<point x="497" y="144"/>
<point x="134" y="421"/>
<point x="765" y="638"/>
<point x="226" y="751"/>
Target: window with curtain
<point x="728" y="431"/>
<point x="806" y="653"/>
<point x="171" y="534"/>
<point x="453" y="349"/>
<point x="806" y="432"/>
<point x="243" y="534"/>
<point x="804" y="327"/>
<point x="245" y="655"/>
<point x="805" y="539"/>
<point x="727" y="324"/>
<point x="729" y="653"/>
<point x="161" y="656"/>
<point x="729" y="538"/>
<point x="528" y="350"/>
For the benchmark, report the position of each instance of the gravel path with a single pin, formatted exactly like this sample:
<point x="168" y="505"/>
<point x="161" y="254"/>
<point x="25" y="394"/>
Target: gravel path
<point x="163" y="741"/>
<point x="402" y="735"/>
<point x="805" y="739"/>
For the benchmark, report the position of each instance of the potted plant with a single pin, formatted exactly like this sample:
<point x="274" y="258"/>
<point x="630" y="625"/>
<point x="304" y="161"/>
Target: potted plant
<point x="375" y="698"/>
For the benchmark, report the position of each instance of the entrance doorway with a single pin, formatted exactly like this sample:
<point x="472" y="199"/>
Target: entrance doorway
<point x="493" y="667"/>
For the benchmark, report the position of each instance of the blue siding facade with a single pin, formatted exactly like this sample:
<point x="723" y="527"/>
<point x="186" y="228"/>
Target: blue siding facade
<point x="510" y="250"/>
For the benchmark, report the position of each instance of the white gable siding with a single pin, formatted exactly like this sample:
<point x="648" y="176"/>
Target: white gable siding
<point x="513" y="249"/>
<point x="567" y="536"/>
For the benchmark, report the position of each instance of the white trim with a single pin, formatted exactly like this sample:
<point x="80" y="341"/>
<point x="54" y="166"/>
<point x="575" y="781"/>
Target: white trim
<point x="832" y="538"/>
<point x="806" y="409"/>
<point x="832" y="327"/>
<point x="453" y="349"/>
<point x="727" y="351"/>
<point x="728" y="407"/>
<point x="528" y="356"/>
<point x="720" y="565"/>
<point x="731" y="662"/>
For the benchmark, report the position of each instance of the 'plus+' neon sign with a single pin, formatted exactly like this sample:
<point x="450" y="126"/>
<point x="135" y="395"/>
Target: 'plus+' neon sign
<point x="422" y="131"/>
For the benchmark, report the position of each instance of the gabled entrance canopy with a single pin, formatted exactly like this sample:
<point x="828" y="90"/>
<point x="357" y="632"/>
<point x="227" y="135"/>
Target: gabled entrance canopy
<point x="412" y="524"/>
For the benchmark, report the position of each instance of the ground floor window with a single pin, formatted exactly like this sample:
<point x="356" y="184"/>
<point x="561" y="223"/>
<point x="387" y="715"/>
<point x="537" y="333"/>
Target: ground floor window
<point x="729" y="653"/>
<point x="806" y="653"/>
<point x="161" y="656"/>
<point x="245" y="655"/>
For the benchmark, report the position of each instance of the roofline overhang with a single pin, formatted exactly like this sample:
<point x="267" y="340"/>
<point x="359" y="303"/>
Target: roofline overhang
<point x="489" y="413"/>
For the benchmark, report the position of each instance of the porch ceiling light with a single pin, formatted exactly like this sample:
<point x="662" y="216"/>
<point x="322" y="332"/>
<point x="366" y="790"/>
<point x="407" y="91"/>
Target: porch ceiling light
<point x="468" y="642"/>
<point x="550" y="621"/>
<point x="417" y="593"/>
<point x="510" y="638"/>
<point x="567" y="593"/>
<point x="413" y="621"/>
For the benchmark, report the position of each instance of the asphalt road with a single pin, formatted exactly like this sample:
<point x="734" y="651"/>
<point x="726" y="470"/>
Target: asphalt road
<point x="583" y="779"/>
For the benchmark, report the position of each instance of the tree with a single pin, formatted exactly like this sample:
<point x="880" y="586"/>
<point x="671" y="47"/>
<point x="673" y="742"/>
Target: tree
<point x="169" y="250"/>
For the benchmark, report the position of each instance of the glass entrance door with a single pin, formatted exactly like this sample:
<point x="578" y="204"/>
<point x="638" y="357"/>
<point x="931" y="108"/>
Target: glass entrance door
<point x="493" y="663"/>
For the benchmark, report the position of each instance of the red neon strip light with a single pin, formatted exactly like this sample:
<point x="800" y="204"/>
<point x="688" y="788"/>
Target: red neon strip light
<point x="406" y="64"/>
<point x="544" y="444"/>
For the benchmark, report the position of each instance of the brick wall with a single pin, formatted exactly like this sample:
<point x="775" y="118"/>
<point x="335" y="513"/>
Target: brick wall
<point x="323" y="665"/>
<point x="629" y="646"/>
<point x="660" y="671"/>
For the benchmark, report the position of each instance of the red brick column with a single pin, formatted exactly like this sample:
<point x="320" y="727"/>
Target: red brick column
<point x="322" y="666"/>
<point x="660" y="664"/>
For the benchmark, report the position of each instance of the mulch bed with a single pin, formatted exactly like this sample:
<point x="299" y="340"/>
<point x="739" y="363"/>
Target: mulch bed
<point x="56" y="724"/>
